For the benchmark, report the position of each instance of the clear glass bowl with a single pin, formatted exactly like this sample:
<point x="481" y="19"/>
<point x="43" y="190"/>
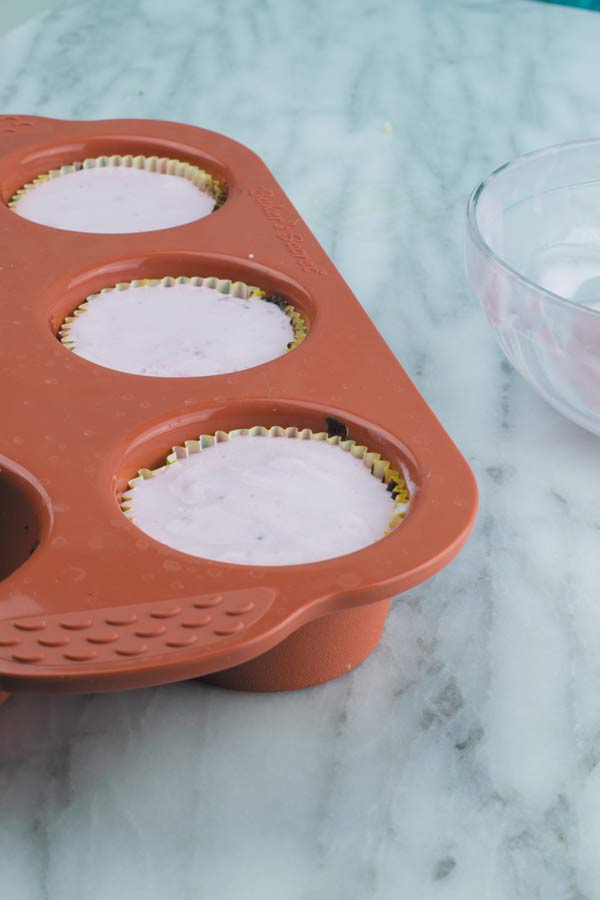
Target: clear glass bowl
<point x="532" y="257"/>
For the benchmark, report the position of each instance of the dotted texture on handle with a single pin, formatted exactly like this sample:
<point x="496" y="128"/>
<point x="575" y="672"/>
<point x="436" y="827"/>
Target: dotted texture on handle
<point x="131" y="632"/>
<point x="12" y="124"/>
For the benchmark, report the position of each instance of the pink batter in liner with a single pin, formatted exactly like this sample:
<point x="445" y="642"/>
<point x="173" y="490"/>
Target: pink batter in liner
<point x="264" y="501"/>
<point x="115" y="200"/>
<point x="180" y="331"/>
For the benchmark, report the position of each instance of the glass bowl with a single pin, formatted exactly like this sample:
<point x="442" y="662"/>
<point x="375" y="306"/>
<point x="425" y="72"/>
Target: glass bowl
<point x="532" y="257"/>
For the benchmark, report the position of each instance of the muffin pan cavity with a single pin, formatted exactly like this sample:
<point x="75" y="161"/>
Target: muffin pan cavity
<point x="183" y="327"/>
<point x="102" y="605"/>
<point x="269" y="496"/>
<point x="119" y="194"/>
<point x="24" y="517"/>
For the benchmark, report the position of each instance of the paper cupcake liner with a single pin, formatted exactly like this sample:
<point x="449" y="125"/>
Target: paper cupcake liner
<point x="382" y="469"/>
<point x="223" y="285"/>
<point x="161" y="164"/>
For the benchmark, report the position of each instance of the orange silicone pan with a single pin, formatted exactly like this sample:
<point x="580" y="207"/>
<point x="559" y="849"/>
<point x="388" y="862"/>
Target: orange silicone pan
<point x="87" y="601"/>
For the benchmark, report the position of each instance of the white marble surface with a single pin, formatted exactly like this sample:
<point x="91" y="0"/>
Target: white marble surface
<point x="462" y="760"/>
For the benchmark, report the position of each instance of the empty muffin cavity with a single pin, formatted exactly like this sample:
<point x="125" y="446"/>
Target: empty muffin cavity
<point x="119" y="194"/>
<point x="182" y="327"/>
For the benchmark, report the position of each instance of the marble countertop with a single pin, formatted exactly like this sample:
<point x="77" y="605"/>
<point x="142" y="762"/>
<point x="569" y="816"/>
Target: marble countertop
<point x="462" y="759"/>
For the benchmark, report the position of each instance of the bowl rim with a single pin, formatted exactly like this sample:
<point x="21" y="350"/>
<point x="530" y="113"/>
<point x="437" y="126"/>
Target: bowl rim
<point x="478" y="239"/>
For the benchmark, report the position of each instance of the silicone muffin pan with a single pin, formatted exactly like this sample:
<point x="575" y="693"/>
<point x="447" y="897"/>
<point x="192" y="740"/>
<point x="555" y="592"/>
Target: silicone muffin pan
<point x="87" y="601"/>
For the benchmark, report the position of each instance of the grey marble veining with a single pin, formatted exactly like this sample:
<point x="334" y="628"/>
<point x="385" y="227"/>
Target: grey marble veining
<point x="462" y="759"/>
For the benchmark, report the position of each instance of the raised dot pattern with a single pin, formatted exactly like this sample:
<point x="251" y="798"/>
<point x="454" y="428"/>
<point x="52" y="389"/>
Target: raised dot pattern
<point x="12" y="124"/>
<point x="126" y="634"/>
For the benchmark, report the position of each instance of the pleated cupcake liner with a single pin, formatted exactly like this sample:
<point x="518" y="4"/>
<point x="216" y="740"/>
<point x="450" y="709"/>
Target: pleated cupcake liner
<point x="382" y="469"/>
<point x="161" y="164"/>
<point x="225" y="286"/>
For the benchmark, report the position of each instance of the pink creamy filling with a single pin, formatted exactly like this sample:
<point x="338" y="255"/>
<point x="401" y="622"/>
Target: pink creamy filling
<point x="184" y="330"/>
<point x="264" y="501"/>
<point x="113" y="199"/>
